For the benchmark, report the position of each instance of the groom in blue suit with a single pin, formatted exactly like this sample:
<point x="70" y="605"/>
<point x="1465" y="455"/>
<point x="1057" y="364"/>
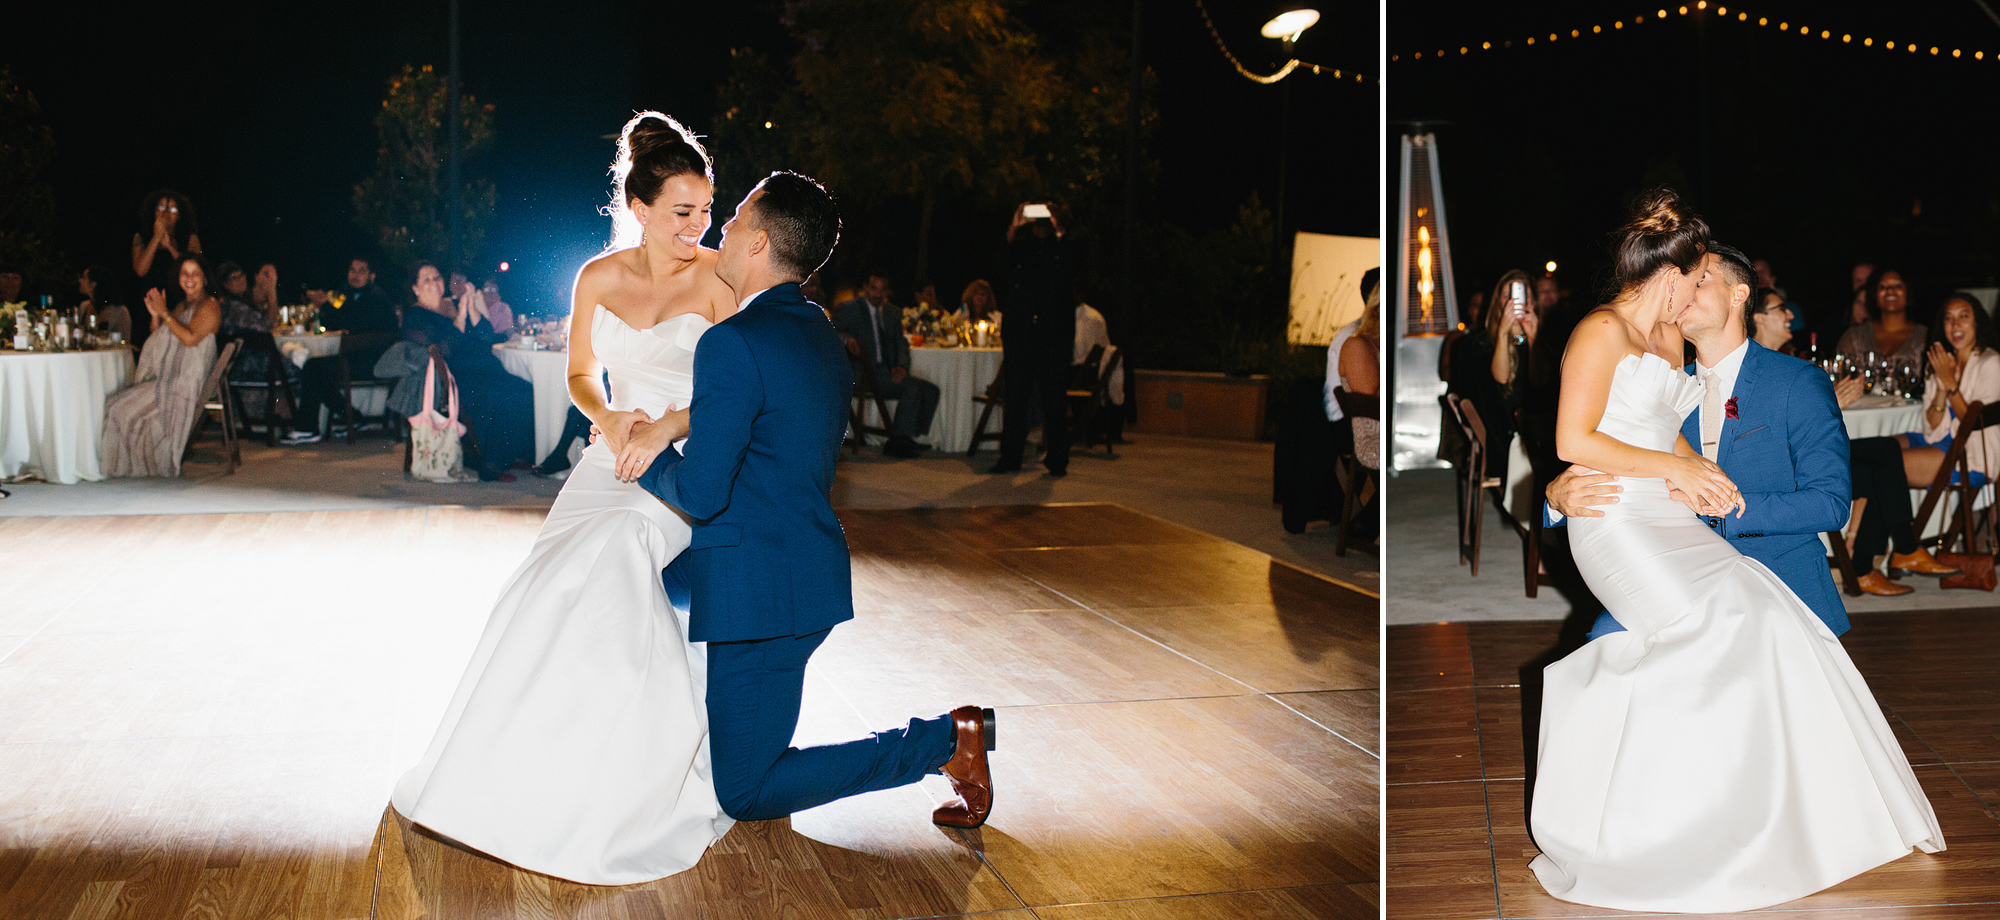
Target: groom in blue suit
<point x="1781" y="441"/>
<point x="767" y="573"/>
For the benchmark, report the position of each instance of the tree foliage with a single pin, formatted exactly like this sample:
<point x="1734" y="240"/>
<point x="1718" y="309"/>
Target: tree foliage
<point x="27" y="189"/>
<point x="406" y="203"/>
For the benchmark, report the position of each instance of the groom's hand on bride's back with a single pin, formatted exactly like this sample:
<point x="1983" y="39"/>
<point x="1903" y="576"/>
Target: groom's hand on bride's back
<point x="1574" y="494"/>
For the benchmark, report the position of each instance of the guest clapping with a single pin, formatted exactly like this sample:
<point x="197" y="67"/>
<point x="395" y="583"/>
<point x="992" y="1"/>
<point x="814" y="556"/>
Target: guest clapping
<point x="873" y="328"/>
<point x="498" y="405"/>
<point x="1889" y="333"/>
<point x="264" y="293"/>
<point x="1964" y="370"/>
<point x="146" y="425"/>
<point x="167" y="231"/>
<point x="238" y="315"/>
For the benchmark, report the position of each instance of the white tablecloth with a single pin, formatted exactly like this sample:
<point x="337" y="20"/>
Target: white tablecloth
<point x="318" y="346"/>
<point x="52" y="411"/>
<point x="549" y="372"/>
<point x="960" y="374"/>
<point x="1875" y="421"/>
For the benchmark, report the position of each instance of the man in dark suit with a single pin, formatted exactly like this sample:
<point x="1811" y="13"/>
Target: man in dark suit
<point x="364" y="309"/>
<point x="873" y="330"/>
<point x="1037" y="339"/>
<point x="767" y="573"/>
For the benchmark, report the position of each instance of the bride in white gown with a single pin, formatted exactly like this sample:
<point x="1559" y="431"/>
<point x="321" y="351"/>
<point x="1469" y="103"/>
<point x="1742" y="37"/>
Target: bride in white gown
<point x="576" y="744"/>
<point x="1722" y="753"/>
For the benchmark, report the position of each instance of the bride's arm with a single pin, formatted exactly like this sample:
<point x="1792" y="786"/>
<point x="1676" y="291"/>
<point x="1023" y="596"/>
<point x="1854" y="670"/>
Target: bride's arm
<point x="586" y="374"/>
<point x="1594" y="352"/>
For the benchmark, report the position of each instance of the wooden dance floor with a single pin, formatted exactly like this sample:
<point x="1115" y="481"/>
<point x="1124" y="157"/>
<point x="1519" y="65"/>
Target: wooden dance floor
<point x="201" y="716"/>
<point x="1458" y="843"/>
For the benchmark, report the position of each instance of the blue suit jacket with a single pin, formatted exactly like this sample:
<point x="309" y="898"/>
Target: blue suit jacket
<point x="768" y="557"/>
<point x="851" y="319"/>
<point x="1787" y="451"/>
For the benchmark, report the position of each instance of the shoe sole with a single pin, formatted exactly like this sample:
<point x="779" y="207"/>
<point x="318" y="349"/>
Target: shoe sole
<point x="986" y="727"/>
<point x="1898" y="573"/>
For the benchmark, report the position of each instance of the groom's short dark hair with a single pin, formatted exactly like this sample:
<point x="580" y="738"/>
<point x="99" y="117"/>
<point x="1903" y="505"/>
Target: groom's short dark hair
<point x="1737" y="268"/>
<point x="802" y="221"/>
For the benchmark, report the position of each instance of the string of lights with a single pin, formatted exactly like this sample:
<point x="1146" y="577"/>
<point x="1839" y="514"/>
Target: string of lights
<point x="1282" y="72"/>
<point x="1723" y="14"/>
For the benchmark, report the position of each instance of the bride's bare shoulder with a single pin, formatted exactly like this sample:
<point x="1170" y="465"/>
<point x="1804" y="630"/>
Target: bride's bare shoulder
<point x="604" y="271"/>
<point x="1602" y="331"/>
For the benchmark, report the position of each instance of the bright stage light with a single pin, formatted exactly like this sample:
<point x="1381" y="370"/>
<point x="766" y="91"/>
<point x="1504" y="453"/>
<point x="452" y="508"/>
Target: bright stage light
<point x="505" y="265"/>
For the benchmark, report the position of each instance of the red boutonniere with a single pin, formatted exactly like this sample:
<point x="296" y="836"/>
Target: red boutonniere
<point x="1729" y="408"/>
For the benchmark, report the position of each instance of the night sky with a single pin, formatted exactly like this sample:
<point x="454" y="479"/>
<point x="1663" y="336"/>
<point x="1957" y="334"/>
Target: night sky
<point x="1807" y="152"/>
<point x="260" y="113"/>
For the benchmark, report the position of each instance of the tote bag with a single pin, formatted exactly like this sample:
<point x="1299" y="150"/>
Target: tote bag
<point x="435" y="453"/>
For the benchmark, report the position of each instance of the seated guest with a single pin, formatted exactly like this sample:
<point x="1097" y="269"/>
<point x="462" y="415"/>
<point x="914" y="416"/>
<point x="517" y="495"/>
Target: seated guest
<point x="264" y="293"/>
<point x="1858" y="308"/>
<point x="499" y="406"/>
<point x="1880" y="513"/>
<point x="365" y="310"/>
<point x="10" y="288"/>
<point x="1361" y="369"/>
<point x="926" y="296"/>
<point x="497" y="311"/>
<point x="978" y="302"/>
<point x="1090" y="333"/>
<point x="101" y="303"/>
<point x="873" y="328"/>
<point x="1889" y="333"/>
<point x="1771" y="325"/>
<point x="238" y="315"/>
<point x="146" y="425"/>
<point x="1964" y="370"/>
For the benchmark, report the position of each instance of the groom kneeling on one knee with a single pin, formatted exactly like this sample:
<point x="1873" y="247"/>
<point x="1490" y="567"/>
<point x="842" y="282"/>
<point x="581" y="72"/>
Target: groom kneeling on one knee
<point x="767" y="575"/>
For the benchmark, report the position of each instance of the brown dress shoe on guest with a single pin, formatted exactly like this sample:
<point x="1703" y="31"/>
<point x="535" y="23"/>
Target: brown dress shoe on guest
<point x="1877" y="584"/>
<point x="967" y="770"/>
<point x="1920" y="562"/>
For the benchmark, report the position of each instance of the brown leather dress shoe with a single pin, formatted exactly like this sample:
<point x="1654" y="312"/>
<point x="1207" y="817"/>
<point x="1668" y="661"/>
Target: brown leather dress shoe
<point x="967" y="770"/>
<point x="1877" y="584"/>
<point x="1920" y="562"/>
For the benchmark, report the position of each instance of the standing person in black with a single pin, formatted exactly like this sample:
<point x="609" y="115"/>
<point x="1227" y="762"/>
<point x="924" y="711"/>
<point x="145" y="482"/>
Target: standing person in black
<point x="1038" y="338"/>
<point x="366" y="309"/>
<point x="167" y="231"/>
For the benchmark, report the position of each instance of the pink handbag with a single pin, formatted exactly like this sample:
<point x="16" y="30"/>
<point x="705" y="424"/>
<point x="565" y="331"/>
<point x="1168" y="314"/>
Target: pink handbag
<point x="435" y="452"/>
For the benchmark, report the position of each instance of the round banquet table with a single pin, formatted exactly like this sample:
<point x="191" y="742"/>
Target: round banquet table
<point x="960" y="374"/>
<point x="1881" y="417"/>
<point x="52" y="411"/>
<point x="549" y="372"/>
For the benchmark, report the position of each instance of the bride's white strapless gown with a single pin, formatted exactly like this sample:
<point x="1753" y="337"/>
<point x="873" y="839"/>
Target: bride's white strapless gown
<point x="1722" y="753"/>
<point x="576" y="744"/>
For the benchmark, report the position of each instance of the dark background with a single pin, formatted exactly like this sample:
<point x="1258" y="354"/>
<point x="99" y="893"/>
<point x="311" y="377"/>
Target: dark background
<point x="1810" y="153"/>
<point x="261" y="114"/>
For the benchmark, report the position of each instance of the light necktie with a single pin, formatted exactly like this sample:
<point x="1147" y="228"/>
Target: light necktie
<point x="1711" y="414"/>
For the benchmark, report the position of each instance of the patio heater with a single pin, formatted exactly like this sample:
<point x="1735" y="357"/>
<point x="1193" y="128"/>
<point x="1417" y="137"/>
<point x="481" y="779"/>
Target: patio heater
<point x="1428" y="305"/>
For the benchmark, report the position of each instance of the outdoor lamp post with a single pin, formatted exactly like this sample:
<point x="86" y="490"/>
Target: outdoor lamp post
<point x="1286" y="27"/>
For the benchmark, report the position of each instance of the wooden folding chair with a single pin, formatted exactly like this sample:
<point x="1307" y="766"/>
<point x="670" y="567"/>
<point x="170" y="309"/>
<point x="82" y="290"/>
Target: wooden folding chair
<point x="345" y="382"/>
<point x="866" y="391"/>
<point x="1959" y="520"/>
<point x="215" y="397"/>
<point x="1087" y="403"/>
<point x="1473" y="482"/>
<point x="995" y="395"/>
<point x="1348" y="467"/>
<point x="276" y="385"/>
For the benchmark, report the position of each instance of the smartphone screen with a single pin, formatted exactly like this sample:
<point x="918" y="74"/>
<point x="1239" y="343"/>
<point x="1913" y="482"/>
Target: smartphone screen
<point x="1035" y="211"/>
<point x="1519" y="292"/>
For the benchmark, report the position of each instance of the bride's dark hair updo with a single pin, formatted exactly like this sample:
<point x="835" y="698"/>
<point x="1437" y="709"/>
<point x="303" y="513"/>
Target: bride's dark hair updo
<point x="652" y="149"/>
<point x="1663" y="231"/>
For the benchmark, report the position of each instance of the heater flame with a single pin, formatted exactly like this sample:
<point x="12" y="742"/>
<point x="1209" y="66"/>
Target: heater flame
<point x="1424" y="286"/>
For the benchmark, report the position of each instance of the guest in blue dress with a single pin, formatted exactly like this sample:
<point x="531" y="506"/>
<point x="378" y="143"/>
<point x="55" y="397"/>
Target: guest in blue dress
<point x="499" y="406"/>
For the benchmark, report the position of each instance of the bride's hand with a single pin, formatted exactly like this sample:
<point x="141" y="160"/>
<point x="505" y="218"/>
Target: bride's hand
<point x="618" y="428"/>
<point x="1705" y="482"/>
<point x="647" y="441"/>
